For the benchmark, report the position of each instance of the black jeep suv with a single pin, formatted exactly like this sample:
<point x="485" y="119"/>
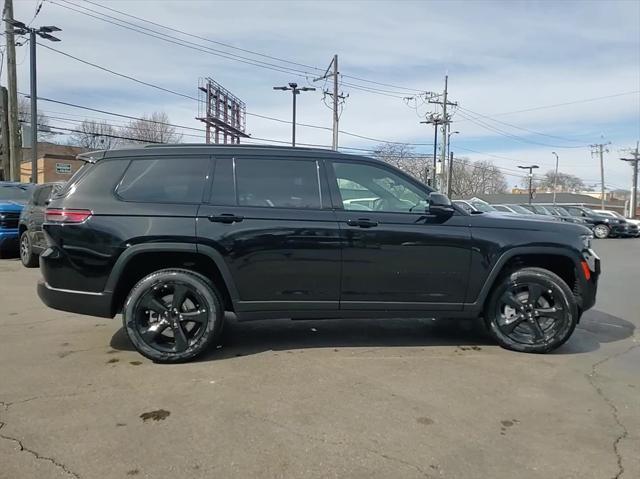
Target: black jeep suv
<point x="172" y="236"/>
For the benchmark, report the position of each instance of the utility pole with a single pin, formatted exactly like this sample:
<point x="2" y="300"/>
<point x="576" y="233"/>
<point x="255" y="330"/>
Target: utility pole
<point x="447" y="172"/>
<point x="450" y="175"/>
<point x="555" y="178"/>
<point x="600" y="149"/>
<point x="445" y="121"/>
<point x="530" y="168"/>
<point x="333" y="72"/>
<point x="12" y="85"/>
<point x="634" y="182"/>
<point x="20" y="28"/>
<point x="435" y="120"/>
<point x="4" y="131"/>
<point x="293" y="87"/>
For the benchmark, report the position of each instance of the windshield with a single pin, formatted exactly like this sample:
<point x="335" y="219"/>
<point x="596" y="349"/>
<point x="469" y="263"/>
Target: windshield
<point x="16" y="192"/>
<point x="485" y="208"/>
<point x="542" y="210"/>
<point x="520" y="209"/>
<point x="612" y="213"/>
<point x="561" y="211"/>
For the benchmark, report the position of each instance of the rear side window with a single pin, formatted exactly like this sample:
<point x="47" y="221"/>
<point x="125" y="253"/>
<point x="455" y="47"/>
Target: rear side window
<point x="278" y="183"/>
<point x="41" y="195"/>
<point x="73" y="181"/>
<point x="165" y="180"/>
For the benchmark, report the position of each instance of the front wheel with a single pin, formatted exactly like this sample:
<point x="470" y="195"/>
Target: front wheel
<point x="531" y="310"/>
<point x="27" y="256"/>
<point x="601" y="231"/>
<point x="173" y="315"/>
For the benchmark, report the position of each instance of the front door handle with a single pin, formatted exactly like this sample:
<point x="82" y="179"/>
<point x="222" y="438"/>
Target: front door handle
<point x="362" y="223"/>
<point x="225" y="218"/>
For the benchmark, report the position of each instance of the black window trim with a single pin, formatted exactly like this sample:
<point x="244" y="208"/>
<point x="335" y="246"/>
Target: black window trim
<point x="131" y="159"/>
<point x="321" y="175"/>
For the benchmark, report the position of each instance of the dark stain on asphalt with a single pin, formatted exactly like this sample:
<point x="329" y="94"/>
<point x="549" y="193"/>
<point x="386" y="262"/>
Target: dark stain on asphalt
<point x="507" y="423"/>
<point x="121" y="424"/>
<point x="112" y="351"/>
<point x="427" y="421"/>
<point x="64" y="344"/>
<point x="135" y="363"/>
<point x="157" y="415"/>
<point x="470" y="348"/>
<point x="64" y="354"/>
<point x="133" y="472"/>
<point x="13" y="314"/>
<point x="113" y="360"/>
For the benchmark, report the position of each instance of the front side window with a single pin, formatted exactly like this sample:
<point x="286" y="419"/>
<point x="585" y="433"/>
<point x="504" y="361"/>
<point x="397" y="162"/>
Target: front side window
<point x="278" y="183"/>
<point x="165" y="180"/>
<point x="371" y="188"/>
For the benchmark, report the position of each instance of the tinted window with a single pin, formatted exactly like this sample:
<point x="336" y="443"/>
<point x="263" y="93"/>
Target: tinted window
<point x="15" y="191"/>
<point x="502" y="208"/>
<point x="371" y="188"/>
<point x="165" y="180"/>
<point x="41" y="195"/>
<point x="278" y="183"/>
<point x="223" y="190"/>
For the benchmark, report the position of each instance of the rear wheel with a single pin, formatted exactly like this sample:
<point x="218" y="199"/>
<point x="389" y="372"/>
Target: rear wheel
<point x="601" y="231"/>
<point x="173" y="315"/>
<point x="531" y="310"/>
<point x="27" y="256"/>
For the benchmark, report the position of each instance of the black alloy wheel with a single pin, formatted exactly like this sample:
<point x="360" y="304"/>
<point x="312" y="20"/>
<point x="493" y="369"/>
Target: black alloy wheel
<point x="172" y="315"/>
<point x="27" y="256"/>
<point x="532" y="310"/>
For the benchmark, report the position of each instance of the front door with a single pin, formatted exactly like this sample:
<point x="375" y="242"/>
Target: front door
<point x="272" y="222"/>
<point x="395" y="255"/>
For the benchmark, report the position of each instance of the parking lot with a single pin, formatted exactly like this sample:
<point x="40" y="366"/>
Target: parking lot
<point x="356" y="398"/>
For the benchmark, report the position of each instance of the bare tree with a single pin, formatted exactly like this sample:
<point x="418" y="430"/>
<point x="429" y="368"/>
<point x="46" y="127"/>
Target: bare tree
<point x="471" y="178"/>
<point x="24" y="117"/>
<point x="564" y="182"/>
<point x="154" y="128"/>
<point x="403" y="157"/>
<point x="95" y="135"/>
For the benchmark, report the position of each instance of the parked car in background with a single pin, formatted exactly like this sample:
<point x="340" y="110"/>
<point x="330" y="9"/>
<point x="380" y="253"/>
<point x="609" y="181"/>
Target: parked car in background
<point x="13" y="197"/>
<point x="472" y="207"/>
<point x="603" y="226"/>
<point x="564" y="215"/>
<point x="634" y="225"/>
<point x="32" y="241"/>
<point x="519" y="210"/>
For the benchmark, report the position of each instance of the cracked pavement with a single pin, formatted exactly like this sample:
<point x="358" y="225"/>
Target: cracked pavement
<point x="357" y="398"/>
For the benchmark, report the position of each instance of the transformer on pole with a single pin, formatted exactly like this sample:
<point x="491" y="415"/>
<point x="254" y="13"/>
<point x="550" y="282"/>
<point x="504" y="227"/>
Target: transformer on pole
<point x="223" y="114"/>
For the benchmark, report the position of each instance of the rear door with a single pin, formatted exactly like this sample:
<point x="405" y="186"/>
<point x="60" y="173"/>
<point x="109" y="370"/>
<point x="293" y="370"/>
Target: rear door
<point x="271" y="220"/>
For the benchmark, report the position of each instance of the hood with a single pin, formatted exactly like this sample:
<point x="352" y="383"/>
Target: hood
<point x="11" y="205"/>
<point x="528" y="222"/>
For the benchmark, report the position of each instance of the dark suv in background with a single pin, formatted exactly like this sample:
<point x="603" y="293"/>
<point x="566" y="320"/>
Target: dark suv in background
<point x="32" y="241"/>
<point x="172" y="236"/>
<point x="603" y="226"/>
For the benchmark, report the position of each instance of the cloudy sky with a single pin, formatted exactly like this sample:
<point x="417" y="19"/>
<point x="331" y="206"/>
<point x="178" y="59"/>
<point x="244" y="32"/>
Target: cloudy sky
<point x="529" y="77"/>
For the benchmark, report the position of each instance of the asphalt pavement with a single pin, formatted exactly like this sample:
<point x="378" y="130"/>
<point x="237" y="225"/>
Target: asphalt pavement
<point x="298" y="399"/>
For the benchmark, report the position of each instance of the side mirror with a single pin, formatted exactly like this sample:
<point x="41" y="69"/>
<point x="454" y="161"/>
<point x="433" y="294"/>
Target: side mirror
<point x="440" y="206"/>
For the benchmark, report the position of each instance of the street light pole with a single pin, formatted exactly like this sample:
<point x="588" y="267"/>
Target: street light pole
<point x="293" y="87"/>
<point x="19" y="28"/>
<point x="555" y="178"/>
<point x="530" y="168"/>
<point x="450" y="169"/>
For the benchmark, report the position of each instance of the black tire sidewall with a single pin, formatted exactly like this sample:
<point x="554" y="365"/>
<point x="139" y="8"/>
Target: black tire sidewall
<point x="31" y="261"/>
<point x="208" y="292"/>
<point x="536" y="275"/>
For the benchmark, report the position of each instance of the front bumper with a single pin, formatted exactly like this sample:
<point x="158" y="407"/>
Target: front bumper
<point x="587" y="283"/>
<point x="9" y="239"/>
<point x="81" y="302"/>
<point x="618" y="229"/>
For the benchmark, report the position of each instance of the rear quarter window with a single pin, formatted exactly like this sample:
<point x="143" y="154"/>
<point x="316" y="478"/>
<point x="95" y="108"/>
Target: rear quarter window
<point x="165" y="180"/>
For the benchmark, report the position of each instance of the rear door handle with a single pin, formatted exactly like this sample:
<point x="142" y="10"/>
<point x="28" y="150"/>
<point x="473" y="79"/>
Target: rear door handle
<point x="362" y="223"/>
<point x="225" y="218"/>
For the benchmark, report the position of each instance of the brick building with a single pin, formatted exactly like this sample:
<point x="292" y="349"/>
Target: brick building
<point x="55" y="162"/>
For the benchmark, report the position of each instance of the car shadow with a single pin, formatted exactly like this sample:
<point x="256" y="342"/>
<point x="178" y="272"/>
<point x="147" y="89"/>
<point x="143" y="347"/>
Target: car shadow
<point x="596" y="327"/>
<point x="254" y="337"/>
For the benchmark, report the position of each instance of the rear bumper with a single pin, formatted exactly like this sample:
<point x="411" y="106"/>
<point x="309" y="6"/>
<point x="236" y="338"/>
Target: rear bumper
<point x="81" y="302"/>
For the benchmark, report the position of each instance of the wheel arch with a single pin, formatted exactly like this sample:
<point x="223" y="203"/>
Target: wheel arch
<point x="139" y="260"/>
<point x="562" y="261"/>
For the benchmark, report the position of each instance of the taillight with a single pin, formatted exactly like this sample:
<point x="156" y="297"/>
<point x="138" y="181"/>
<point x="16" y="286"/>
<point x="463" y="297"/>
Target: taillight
<point x="61" y="215"/>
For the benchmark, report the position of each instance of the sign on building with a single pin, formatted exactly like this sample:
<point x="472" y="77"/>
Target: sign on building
<point x="63" y="168"/>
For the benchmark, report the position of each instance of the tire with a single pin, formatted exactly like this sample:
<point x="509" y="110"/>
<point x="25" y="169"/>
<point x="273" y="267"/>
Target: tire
<point x="194" y="322"/>
<point x="601" y="231"/>
<point x="27" y="256"/>
<point x="511" y="319"/>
